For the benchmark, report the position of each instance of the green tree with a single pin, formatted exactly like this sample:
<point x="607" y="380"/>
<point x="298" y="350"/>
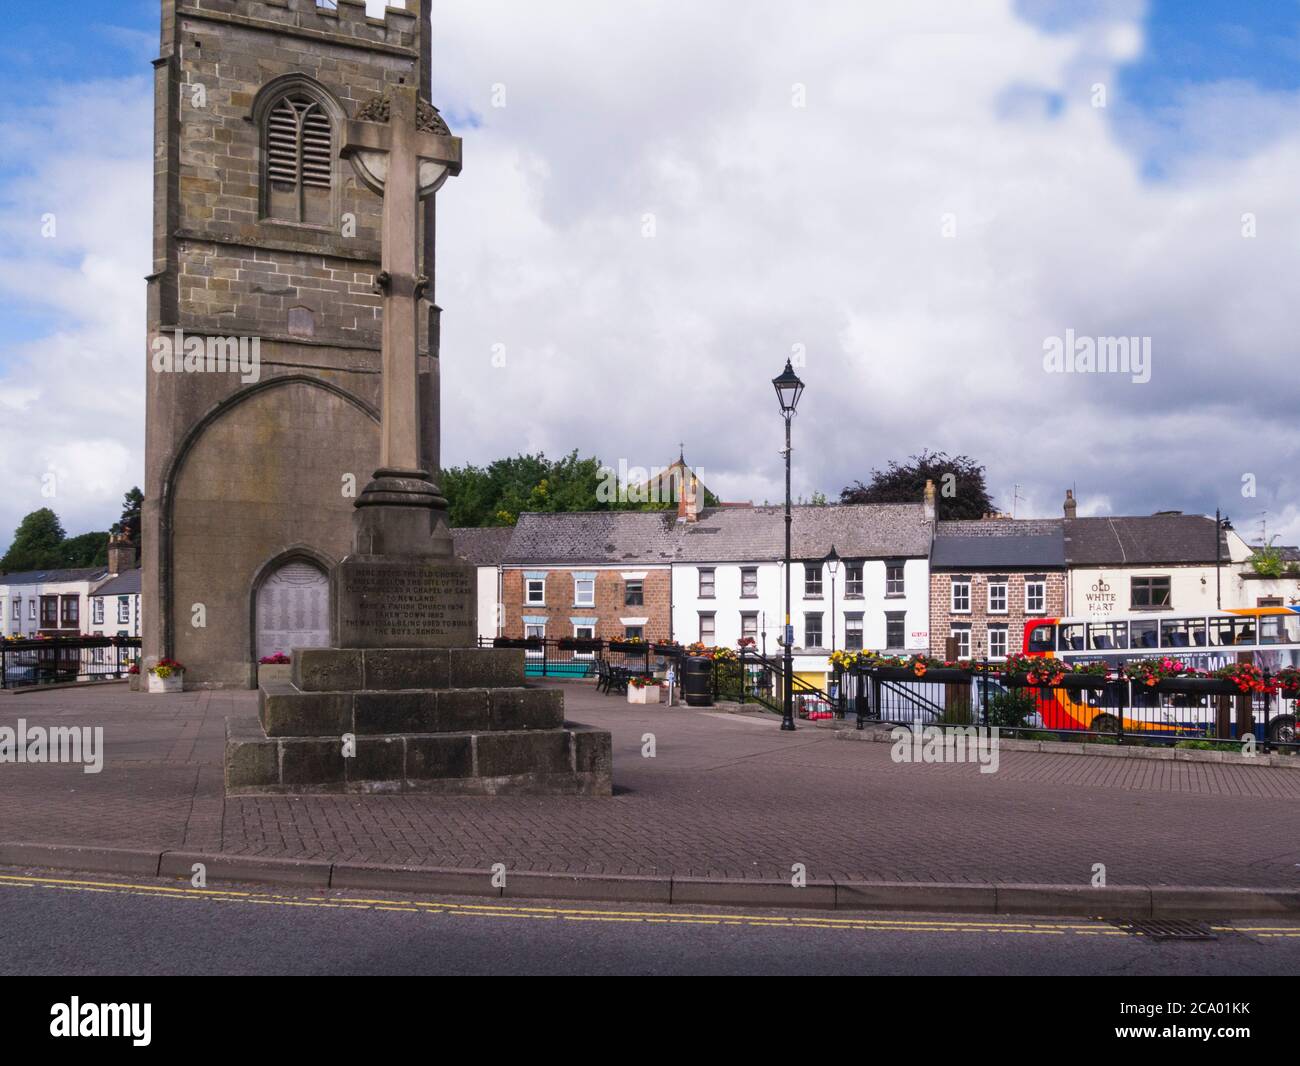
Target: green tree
<point x="87" y="549"/>
<point x="958" y="480"/>
<point x="129" y="523"/>
<point x="37" y="543"/>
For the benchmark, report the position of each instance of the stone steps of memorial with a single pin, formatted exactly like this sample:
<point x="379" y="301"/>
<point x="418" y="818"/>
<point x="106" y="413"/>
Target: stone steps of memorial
<point x="574" y="760"/>
<point x="286" y="710"/>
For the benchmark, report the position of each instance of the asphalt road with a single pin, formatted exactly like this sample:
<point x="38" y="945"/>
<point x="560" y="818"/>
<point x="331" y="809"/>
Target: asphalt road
<point x="96" y="924"/>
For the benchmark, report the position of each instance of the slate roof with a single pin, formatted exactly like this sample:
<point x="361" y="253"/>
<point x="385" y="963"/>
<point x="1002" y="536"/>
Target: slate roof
<point x="857" y="531"/>
<point x="570" y="537"/>
<point x="999" y="543"/>
<point x="126" y="584"/>
<point x="1154" y="540"/>
<point x="482" y="547"/>
<point x="39" y="577"/>
<point x="722" y="534"/>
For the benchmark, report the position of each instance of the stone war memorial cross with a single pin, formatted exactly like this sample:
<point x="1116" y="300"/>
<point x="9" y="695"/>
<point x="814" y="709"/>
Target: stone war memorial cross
<point x="405" y="700"/>
<point x="391" y="589"/>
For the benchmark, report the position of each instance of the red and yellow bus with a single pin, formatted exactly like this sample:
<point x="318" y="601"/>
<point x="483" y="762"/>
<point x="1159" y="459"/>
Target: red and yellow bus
<point x="1270" y="636"/>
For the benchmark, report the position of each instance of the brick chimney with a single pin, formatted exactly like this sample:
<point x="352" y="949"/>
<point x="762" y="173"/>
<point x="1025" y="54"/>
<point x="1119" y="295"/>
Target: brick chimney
<point x="121" y="553"/>
<point x="1071" y="508"/>
<point x="930" y="504"/>
<point x="688" y="499"/>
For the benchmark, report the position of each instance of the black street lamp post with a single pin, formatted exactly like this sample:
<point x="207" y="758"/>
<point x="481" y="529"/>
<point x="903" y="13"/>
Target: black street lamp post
<point x="832" y="562"/>
<point x="788" y="390"/>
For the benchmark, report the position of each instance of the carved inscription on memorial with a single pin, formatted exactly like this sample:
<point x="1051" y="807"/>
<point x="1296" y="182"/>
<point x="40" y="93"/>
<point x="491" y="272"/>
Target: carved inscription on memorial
<point x="397" y="602"/>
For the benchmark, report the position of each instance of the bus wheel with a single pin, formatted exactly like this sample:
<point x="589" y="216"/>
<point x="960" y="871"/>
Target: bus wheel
<point x="1282" y="730"/>
<point x="1105" y="723"/>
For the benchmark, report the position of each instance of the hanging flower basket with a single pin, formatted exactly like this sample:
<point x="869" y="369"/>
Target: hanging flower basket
<point x="517" y="642"/>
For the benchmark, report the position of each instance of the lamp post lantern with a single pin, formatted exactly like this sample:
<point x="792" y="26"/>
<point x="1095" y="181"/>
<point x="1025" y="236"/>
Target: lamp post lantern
<point x="788" y="390"/>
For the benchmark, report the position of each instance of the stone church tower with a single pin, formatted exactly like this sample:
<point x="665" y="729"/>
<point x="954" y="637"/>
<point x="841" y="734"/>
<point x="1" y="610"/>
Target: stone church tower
<point x="264" y="243"/>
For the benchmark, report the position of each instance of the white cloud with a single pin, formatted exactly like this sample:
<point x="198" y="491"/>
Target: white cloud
<point x="775" y="226"/>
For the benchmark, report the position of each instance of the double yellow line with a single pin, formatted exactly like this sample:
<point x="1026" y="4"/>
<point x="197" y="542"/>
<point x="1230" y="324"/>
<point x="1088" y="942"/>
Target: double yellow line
<point x="860" y="923"/>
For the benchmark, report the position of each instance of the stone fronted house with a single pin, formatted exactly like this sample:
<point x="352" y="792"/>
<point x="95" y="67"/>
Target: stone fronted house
<point x="988" y="577"/>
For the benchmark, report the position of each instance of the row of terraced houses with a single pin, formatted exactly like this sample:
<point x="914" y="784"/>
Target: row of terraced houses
<point x="887" y="577"/>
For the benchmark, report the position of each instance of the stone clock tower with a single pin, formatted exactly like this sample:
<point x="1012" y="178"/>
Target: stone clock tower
<point x="264" y="321"/>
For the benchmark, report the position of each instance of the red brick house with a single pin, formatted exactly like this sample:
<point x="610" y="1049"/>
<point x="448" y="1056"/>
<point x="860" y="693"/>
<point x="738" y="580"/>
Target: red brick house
<point x="602" y="574"/>
<point x="988" y="577"/>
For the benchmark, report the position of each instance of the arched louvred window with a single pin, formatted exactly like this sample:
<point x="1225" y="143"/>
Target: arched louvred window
<point x="299" y="160"/>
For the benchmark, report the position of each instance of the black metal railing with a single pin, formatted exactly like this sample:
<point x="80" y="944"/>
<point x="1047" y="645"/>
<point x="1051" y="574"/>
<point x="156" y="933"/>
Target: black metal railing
<point x="1189" y="712"/>
<point x="58" y="660"/>
<point x="577" y="658"/>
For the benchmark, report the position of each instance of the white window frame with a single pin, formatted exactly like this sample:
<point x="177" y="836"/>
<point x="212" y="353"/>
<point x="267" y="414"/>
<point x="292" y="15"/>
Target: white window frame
<point x="588" y="632"/>
<point x="1041" y="586"/>
<point x="18" y="608"/>
<point x="578" y="601"/>
<point x="31" y="609"/>
<point x="902" y="578"/>
<point x="1005" y="633"/>
<point x="1006" y="597"/>
<point x="748" y="570"/>
<point x="529" y="582"/>
<point x="712" y="616"/>
<point x="963" y="635"/>
<point x="123" y="610"/>
<point x="712" y="582"/>
<point x="855" y="623"/>
<point x="953" y="601"/>
<point x="97" y="611"/>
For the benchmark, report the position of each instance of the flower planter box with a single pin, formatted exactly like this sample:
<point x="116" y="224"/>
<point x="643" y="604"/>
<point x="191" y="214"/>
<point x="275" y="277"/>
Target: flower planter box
<point x="668" y="649"/>
<point x="173" y="683"/>
<point x="645" y="694"/>
<point x="516" y="642"/>
<point x="576" y="644"/>
<point x="627" y="648"/>
<point x="1195" y="686"/>
<point x="273" y="672"/>
<point x="1070" y="682"/>
<point x="934" y="674"/>
<point x="134" y="681"/>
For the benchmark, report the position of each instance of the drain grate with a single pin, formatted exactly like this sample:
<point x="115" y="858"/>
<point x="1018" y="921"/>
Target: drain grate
<point x="1167" y="929"/>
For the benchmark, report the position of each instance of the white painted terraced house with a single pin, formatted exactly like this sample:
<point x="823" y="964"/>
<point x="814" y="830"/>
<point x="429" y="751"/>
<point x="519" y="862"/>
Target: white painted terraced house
<point x="729" y="580"/>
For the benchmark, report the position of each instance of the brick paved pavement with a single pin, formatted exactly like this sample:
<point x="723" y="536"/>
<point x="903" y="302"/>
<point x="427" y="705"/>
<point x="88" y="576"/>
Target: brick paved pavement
<point x="726" y="796"/>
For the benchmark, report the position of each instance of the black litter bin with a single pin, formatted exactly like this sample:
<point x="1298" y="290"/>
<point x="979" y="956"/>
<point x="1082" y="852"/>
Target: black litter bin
<point x="697" y="681"/>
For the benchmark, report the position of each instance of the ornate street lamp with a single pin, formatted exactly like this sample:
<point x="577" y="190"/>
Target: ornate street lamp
<point x="788" y="390"/>
<point x="832" y="564"/>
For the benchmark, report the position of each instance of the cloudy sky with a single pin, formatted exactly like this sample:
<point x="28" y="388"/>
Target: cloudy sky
<point x="663" y="201"/>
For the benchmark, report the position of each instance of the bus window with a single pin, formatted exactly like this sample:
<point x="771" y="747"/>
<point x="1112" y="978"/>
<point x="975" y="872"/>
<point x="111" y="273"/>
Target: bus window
<point x="1270" y="629"/>
<point x="1040" y="639"/>
<point x="1225" y="632"/>
<point x="1071" y="637"/>
<point x="1182" y="633"/>
<point x="1108" y="636"/>
<point x="1143" y="634"/>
